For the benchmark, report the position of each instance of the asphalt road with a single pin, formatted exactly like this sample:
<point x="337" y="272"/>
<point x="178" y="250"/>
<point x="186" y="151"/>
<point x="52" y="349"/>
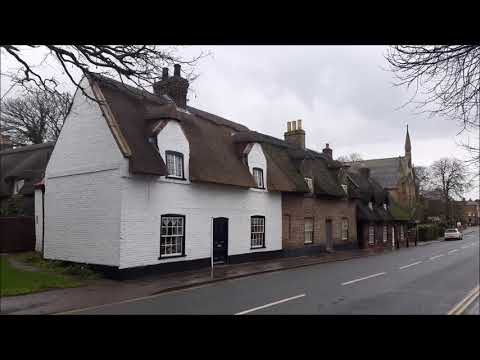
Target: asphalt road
<point x="428" y="279"/>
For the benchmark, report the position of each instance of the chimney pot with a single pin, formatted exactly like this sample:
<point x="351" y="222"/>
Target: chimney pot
<point x="294" y="125"/>
<point x="176" y="70"/>
<point x="299" y="124"/>
<point x="289" y="126"/>
<point x="165" y="73"/>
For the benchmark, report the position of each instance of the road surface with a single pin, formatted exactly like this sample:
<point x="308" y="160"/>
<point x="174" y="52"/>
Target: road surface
<point x="428" y="279"/>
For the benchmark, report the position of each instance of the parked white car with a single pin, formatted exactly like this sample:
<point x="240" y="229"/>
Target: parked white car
<point x="453" y="234"/>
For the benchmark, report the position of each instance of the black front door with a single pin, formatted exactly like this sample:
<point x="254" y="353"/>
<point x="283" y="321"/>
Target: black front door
<point x="328" y="230"/>
<point x="220" y="240"/>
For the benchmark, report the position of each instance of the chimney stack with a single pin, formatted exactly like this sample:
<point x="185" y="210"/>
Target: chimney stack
<point x="364" y="171"/>
<point x="175" y="86"/>
<point x="327" y="151"/>
<point x="165" y="73"/>
<point x="294" y="135"/>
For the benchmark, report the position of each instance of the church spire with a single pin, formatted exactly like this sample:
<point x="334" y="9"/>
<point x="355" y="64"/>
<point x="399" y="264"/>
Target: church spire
<point x="408" y="149"/>
<point x="408" y="146"/>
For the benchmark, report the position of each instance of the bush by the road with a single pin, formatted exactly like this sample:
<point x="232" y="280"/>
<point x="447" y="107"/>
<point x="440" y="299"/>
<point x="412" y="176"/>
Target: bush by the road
<point x="428" y="232"/>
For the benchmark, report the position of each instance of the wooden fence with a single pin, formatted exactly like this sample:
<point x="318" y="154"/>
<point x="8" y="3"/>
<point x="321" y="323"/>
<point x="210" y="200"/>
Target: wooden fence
<point x="17" y="234"/>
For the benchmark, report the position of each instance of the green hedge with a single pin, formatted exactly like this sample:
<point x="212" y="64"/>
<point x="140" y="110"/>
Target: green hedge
<point x="429" y="232"/>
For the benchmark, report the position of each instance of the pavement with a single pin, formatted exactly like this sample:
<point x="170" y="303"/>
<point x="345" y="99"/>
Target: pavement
<point x="165" y="286"/>
<point x="417" y="280"/>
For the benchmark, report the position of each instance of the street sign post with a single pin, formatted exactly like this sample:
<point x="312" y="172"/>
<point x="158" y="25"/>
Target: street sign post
<point x="211" y="249"/>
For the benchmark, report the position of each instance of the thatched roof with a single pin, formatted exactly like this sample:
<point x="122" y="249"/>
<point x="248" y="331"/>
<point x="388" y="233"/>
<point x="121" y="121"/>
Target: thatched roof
<point x="216" y="144"/>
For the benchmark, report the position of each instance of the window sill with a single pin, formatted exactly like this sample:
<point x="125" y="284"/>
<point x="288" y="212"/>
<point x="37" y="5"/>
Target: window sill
<point x="258" y="247"/>
<point x="171" y="257"/>
<point x="308" y="243"/>
<point x="175" y="178"/>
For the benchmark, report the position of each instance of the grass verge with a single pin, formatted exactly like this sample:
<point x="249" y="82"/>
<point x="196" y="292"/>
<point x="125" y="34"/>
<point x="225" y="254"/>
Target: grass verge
<point x="50" y="274"/>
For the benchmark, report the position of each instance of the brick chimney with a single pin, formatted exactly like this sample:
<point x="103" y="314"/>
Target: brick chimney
<point x="174" y="86"/>
<point x="295" y="135"/>
<point x="328" y="151"/>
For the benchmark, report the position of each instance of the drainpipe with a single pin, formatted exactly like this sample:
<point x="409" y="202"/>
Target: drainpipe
<point x="43" y="222"/>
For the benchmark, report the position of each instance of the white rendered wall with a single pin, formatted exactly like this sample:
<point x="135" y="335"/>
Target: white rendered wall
<point x="38" y="220"/>
<point x="82" y="189"/>
<point x="257" y="159"/>
<point x="172" y="138"/>
<point x="145" y="199"/>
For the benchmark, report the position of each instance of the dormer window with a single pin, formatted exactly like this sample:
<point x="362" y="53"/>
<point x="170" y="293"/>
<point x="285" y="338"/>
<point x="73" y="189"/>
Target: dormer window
<point x="17" y="186"/>
<point x="258" y="176"/>
<point x="345" y="188"/>
<point x="309" y="182"/>
<point x="175" y="164"/>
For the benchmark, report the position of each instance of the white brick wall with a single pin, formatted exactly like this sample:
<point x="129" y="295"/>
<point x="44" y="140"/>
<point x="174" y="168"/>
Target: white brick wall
<point x="144" y="201"/>
<point x="82" y="189"/>
<point x="82" y="222"/>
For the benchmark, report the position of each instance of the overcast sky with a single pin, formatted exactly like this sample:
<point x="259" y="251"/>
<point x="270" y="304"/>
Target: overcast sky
<point x="344" y="95"/>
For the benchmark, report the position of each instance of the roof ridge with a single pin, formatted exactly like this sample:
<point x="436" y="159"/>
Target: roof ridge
<point x="388" y="158"/>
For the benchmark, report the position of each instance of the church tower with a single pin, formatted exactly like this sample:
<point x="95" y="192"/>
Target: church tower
<point x="408" y="149"/>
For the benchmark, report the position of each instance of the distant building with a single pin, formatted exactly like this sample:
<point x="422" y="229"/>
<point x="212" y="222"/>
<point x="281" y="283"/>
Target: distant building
<point x="395" y="174"/>
<point x="20" y="169"/>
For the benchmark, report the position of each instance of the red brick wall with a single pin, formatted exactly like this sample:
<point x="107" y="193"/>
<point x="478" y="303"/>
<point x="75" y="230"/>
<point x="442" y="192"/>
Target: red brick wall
<point x="296" y="207"/>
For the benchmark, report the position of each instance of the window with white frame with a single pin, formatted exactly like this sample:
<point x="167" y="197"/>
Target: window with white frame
<point x="17" y="186"/>
<point x="371" y="235"/>
<point x="258" y="177"/>
<point x="370" y="205"/>
<point x="401" y="233"/>
<point x="345" y="188"/>
<point x="385" y="233"/>
<point x="172" y="235"/>
<point x="308" y="231"/>
<point x="174" y="164"/>
<point x="309" y="182"/>
<point x="257" y="228"/>
<point x="345" y="229"/>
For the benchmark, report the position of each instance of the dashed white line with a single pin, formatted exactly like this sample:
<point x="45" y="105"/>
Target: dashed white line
<point x="364" y="278"/>
<point x="271" y="304"/>
<point x="407" y="266"/>
<point x="452" y="251"/>
<point x="436" y="257"/>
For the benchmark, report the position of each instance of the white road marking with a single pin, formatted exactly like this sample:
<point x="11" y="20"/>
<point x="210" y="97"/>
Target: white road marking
<point x="452" y="251"/>
<point x="407" y="266"/>
<point x="464" y="247"/>
<point x="364" y="278"/>
<point x="436" y="257"/>
<point x="271" y="304"/>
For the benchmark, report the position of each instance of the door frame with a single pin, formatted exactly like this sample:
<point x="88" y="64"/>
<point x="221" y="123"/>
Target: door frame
<point x="226" y="240"/>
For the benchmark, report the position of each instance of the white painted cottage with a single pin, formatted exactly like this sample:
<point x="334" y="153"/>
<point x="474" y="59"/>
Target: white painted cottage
<point x="141" y="179"/>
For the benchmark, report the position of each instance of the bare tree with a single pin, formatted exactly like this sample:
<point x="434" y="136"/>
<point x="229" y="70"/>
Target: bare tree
<point x="35" y="117"/>
<point x="353" y="157"/>
<point x="422" y="179"/>
<point x="446" y="80"/>
<point x="450" y="177"/>
<point x="139" y="65"/>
